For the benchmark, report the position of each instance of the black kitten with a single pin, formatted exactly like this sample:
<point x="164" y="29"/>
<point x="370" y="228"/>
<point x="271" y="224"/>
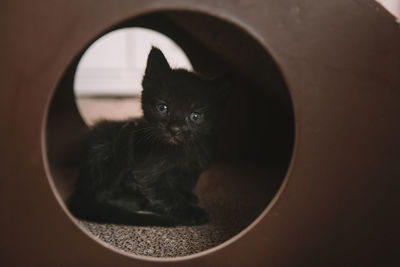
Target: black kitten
<point x="152" y="163"/>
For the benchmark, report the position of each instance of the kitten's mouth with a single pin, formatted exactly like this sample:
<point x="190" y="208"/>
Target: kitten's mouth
<point x="173" y="140"/>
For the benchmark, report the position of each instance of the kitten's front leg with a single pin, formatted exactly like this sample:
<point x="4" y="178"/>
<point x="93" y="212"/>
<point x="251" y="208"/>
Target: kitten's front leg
<point x="176" y="205"/>
<point x="191" y="215"/>
<point x="190" y="197"/>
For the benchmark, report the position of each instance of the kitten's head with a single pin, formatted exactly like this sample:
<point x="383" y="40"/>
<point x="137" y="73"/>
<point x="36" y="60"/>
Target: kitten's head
<point x="180" y="106"/>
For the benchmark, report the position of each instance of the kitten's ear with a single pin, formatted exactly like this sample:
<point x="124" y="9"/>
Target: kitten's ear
<point x="157" y="64"/>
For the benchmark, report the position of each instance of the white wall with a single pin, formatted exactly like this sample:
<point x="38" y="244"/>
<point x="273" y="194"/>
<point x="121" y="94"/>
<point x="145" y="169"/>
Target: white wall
<point x="393" y="6"/>
<point x="115" y="63"/>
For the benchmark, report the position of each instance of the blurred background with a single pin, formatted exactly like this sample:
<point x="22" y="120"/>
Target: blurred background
<point x="393" y="6"/>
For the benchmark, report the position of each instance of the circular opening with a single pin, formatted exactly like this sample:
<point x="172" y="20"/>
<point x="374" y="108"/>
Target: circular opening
<point x="256" y="132"/>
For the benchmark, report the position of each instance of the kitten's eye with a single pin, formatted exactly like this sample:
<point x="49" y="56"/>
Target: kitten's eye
<point x="195" y="117"/>
<point x="162" y="108"/>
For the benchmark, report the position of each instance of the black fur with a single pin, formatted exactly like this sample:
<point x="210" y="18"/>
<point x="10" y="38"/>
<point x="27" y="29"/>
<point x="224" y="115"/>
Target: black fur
<point x="152" y="163"/>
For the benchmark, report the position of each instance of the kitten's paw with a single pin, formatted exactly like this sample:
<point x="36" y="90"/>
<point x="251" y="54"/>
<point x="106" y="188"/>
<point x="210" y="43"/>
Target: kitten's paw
<point x="193" y="215"/>
<point x="192" y="199"/>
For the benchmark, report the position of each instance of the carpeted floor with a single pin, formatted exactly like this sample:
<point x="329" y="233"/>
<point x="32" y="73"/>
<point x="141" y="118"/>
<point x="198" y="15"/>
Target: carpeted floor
<point x="158" y="241"/>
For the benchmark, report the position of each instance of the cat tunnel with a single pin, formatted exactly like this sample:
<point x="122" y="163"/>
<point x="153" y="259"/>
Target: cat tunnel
<point x="307" y="173"/>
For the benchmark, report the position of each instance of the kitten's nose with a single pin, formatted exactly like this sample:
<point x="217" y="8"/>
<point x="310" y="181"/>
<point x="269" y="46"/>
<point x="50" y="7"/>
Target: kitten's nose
<point x="175" y="130"/>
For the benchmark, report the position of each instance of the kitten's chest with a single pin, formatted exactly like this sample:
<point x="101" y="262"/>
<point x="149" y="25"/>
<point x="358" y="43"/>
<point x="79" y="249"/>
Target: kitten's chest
<point x="165" y="162"/>
<point x="173" y="168"/>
